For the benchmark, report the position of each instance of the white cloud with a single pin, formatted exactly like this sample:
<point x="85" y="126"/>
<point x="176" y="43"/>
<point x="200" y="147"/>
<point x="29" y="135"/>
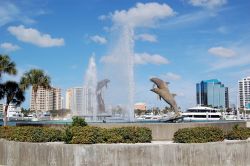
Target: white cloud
<point x="208" y="3"/>
<point x="242" y="58"/>
<point x="103" y="17"/>
<point x="33" y="36"/>
<point x="239" y="61"/>
<point x="222" y="52"/>
<point x="98" y="39"/>
<point x="146" y="37"/>
<point x="142" y="15"/>
<point x="10" y="12"/>
<point x="146" y="58"/>
<point x="190" y="19"/>
<point x="9" y="47"/>
<point x="171" y="76"/>
<point x="222" y="29"/>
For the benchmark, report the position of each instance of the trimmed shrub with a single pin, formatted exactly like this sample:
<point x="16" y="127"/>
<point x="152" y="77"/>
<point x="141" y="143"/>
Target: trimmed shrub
<point x="133" y="134"/>
<point x="238" y="133"/>
<point x="198" y="135"/>
<point x="67" y="136"/>
<point x="92" y="135"/>
<point x="5" y="132"/>
<point x="78" y="121"/>
<point x="31" y="134"/>
<point x="77" y="134"/>
<point x="86" y="135"/>
<point x="112" y="136"/>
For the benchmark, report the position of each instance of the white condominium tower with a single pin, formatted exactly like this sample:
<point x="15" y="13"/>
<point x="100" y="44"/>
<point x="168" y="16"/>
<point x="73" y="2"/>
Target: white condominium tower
<point x="69" y="95"/>
<point x="46" y="100"/>
<point x="80" y="101"/>
<point x="88" y="101"/>
<point x="74" y="100"/>
<point x="57" y="99"/>
<point x="244" y="93"/>
<point x="1" y="110"/>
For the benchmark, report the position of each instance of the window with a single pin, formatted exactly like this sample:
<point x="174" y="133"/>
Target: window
<point x="200" y="116"/>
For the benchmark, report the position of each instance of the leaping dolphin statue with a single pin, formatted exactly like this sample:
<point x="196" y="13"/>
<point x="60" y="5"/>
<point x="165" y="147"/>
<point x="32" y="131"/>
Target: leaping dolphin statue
<point x="101" y="84"/>
<point x="162" y="90"/>
<point x="100" y="102"/>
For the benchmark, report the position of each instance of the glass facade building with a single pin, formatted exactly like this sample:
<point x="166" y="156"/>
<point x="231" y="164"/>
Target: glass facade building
<point x="212" y="93"/>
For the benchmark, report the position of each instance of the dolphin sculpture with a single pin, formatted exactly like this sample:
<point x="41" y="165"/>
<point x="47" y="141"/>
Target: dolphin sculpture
<point x="101" y="84"/>
<point x="100" y="102"/>
<point x="162" y="90"/>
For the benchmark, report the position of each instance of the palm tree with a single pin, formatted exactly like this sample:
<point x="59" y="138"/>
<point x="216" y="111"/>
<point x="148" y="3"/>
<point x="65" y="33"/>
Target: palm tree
<point x="13" y="94"/>
<point x="7" y="66"/>
<point x="35" y="78"/>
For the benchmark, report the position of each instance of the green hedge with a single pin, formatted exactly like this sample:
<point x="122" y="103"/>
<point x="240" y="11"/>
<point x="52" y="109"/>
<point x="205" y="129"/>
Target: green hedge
<point x="131" y="134"/>
<point x="77" y="134"/>
<point x="198" y="135"/>
<point x="92" y="135"/>
<point x="238" y="133"/>
<point x="78" y="121"/>
<point x="86" y="135"/>
<point x="31" y="134"/>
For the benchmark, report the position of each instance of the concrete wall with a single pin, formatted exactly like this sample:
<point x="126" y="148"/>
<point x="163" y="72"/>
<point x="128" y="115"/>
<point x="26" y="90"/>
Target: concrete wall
<point x="165" y="131"/>
<point x="248" y="124"/>
<point x="155" y="154"/>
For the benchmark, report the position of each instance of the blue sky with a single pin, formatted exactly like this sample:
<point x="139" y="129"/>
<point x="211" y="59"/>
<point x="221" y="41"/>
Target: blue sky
<point x="191" y="40"/>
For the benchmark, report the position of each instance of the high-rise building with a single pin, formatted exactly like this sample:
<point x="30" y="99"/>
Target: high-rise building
<point x="69" y="93"/>
<point x="57" y="99"/>
<point x="46" y="99"/>
<point x="212" y="93"/>
<point x="226" y="97"/>
<point x="62" y="102"/>
<point x="77" y="101"/>
<point x="89" y="100"/>
<point x="244" y="93"/>
<point x="12" y="111"/>
<point x="1" y="109"/>
<point x="80" y="101"/>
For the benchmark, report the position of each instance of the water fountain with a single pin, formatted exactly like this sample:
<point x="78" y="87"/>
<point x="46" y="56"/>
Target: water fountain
<point x="90" y="83"/>
<point x="93" y="106"/>
<point x="119" y="67"/>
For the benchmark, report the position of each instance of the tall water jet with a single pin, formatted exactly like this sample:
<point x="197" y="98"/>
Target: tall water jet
<point x="89" y="90"/>
<point x="129" y="43"/>
<point x="120" y="69"/>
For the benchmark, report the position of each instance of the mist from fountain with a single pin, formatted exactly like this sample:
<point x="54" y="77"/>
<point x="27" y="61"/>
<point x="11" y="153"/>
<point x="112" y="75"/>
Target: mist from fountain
<point x="90" y="83"/>
<point x="120" y="70"/>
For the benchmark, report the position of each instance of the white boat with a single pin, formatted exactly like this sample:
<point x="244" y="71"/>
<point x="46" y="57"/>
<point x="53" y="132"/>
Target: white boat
<point x="152" y="117"/>
<point x="34" y="119"/>
<point x="230" y="116"/>
<point x="201" y="113"/>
